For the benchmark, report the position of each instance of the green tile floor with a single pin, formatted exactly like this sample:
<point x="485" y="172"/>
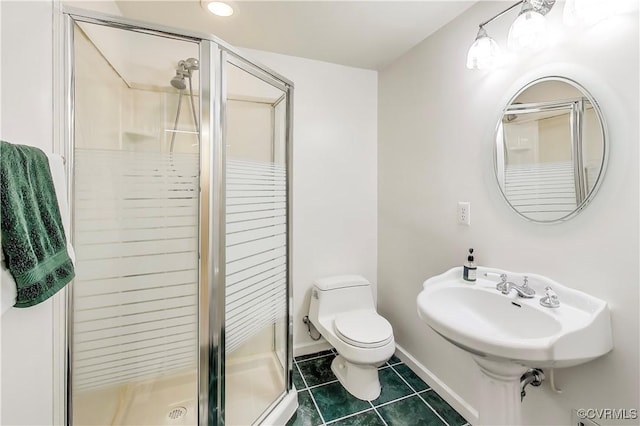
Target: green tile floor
<point x="405" y="399"/>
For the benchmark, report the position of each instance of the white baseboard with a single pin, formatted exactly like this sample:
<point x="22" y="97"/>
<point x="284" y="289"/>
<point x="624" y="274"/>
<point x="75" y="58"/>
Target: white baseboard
<point x="452" y="398"/>
<point x="311" y="348"/>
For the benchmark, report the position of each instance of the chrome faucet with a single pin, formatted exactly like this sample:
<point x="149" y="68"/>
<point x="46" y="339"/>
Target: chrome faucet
<point x="550" y="300"/>
<point x="523" y="290"/>
<point x="503" y="284"/>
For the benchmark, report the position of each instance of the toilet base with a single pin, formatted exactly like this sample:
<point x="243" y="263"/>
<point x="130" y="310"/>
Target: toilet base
<point x="360" y="381"/>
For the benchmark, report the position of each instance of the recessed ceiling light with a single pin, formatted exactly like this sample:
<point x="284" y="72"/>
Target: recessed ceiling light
<point x="218" y="8"/>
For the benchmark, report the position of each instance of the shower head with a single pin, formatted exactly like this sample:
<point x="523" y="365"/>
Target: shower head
<point x="191" y="64"/>
<point x="178" y="81"/>
<point x="184" y="69"/>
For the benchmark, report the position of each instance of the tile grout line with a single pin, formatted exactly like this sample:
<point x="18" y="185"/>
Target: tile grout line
<point x="308" y="389"/>
<point x="402" y="398"/>
<point x="301" y="376"/>
<point x="378" y="413"/>
<point x="413" y="393"/>
<point x="315" y="404"/>
<point x="324" y="423"/>
<point x="348" y="416"/>
<point x="403" y="379"/>
<point x="314" y="357"/>
<point x="437" y="414"/>
<point x="322" y="384"/>
<point x="420" y="396"/>
<point x="372" y="406"/>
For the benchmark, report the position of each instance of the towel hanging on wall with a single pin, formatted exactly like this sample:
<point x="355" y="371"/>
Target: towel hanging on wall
<point x="33" y="236"/>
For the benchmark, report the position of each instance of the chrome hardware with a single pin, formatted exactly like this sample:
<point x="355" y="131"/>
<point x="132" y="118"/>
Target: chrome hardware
<point x="307" y="321"/>
<point x="550" y="300"/>
<point x="494" y="274"/>
<point x="523" y="291"/>
<point x="503" y="284"/>
<point x="533" y="377"/>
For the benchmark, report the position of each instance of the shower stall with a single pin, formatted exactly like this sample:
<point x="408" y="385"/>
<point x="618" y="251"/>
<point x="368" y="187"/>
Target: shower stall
<point x="178" y="150"/>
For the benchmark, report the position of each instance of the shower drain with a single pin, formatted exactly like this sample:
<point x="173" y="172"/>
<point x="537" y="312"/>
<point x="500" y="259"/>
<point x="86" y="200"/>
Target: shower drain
<point x="176" y="413"/>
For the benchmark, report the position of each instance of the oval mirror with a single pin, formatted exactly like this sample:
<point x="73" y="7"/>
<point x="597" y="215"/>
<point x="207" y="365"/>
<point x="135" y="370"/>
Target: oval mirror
<point x="550" y="150"/>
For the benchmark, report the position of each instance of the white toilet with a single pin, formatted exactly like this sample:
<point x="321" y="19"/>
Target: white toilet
<point x="342" y="309"/>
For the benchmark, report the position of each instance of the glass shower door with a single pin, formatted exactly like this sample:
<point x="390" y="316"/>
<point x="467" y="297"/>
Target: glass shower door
<point x="136" y="161"/>
<point x="256" y="292"/>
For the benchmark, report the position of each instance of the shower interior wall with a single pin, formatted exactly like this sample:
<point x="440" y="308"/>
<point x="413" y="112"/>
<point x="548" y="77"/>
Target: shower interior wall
<point x="129" y="118"/>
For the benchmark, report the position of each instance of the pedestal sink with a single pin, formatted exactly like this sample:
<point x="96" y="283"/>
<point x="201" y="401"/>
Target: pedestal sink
<point x="507" y="334"/>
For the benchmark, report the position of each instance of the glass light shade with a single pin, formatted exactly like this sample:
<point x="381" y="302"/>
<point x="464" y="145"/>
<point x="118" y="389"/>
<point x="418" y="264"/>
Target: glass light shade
<point x="484" y="53"/>
<point x="528" y="31"/>
<point x="587" y="12"/>
<point x="219" y="8"/>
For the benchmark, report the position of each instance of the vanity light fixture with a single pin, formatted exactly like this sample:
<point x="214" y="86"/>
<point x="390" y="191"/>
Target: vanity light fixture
<point x="528" y="31"/>
<point x="484" y="53"/>
<point x="218" y="8"/>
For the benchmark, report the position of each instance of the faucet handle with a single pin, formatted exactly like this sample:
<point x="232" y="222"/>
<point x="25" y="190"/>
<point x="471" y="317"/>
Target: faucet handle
<point x="503" y="286"/>
<point x="502" y="276"/>
<point x="550" y="300"/>
<point x="525" y="281"/>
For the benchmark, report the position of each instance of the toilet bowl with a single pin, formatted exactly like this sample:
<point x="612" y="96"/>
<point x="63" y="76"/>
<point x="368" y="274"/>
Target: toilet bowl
<point x="343" y="311"/>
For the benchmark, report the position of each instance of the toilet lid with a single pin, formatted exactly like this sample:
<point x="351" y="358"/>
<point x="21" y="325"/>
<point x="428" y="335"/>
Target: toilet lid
<point x="363" y="329"/>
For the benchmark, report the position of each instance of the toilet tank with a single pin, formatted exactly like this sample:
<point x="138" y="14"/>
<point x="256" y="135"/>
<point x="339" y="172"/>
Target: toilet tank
<point x="333" y="295"/>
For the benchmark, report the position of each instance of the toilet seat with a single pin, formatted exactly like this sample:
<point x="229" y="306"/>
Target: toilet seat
<point x="363" y="329"/>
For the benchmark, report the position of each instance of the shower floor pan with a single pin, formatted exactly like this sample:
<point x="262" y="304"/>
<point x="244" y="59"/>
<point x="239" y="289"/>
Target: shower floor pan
<point x="169" y="400"/>
<point x="252" y="384"/>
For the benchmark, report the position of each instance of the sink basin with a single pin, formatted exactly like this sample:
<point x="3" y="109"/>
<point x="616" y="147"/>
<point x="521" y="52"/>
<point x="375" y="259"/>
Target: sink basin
<point x="507" y="335"/>
<point x="481" y="320"/>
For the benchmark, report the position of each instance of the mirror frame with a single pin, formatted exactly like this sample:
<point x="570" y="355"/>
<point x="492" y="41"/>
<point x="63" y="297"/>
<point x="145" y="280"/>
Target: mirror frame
<point x="605" y="148"/>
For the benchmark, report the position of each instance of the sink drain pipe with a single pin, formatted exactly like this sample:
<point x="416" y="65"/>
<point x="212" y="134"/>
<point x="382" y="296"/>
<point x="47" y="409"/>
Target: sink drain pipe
<point x="307" y="321"/>
<point x="533" y="377"/>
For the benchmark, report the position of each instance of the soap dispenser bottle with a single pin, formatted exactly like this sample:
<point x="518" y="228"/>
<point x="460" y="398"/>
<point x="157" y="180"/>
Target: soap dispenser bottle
<point x="469" y="268"/>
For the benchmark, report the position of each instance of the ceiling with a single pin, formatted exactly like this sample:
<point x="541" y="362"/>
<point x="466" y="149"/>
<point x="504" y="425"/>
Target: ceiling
<point x="363" y="34"/>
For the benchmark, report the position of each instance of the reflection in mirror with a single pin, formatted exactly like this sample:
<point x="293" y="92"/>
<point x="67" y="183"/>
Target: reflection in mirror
<point x="550" y="150"/>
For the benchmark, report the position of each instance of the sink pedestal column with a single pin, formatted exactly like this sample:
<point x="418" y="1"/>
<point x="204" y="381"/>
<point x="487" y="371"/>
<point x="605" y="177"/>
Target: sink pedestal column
<point x="499" y="390"/>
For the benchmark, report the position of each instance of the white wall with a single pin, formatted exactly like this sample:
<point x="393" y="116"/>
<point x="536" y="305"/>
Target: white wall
<point x="27" y="118"/>
<point x="436" y="124"/>
<point x="334" y="169"/>
<point x="27" y="393"/>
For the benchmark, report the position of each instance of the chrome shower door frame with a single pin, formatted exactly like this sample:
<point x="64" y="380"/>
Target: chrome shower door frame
<point x="262" y="73"/>
<point x="211" y="300"/>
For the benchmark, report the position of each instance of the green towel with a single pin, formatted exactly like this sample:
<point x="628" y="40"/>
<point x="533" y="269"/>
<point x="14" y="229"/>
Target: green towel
<point x="33" y="239"/>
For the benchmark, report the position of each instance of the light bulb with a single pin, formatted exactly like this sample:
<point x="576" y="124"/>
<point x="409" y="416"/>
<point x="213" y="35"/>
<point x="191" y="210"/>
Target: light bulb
<point x="484" y="53"/>
<point x="218" y="8"/>
<point x="528" y="31"/>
